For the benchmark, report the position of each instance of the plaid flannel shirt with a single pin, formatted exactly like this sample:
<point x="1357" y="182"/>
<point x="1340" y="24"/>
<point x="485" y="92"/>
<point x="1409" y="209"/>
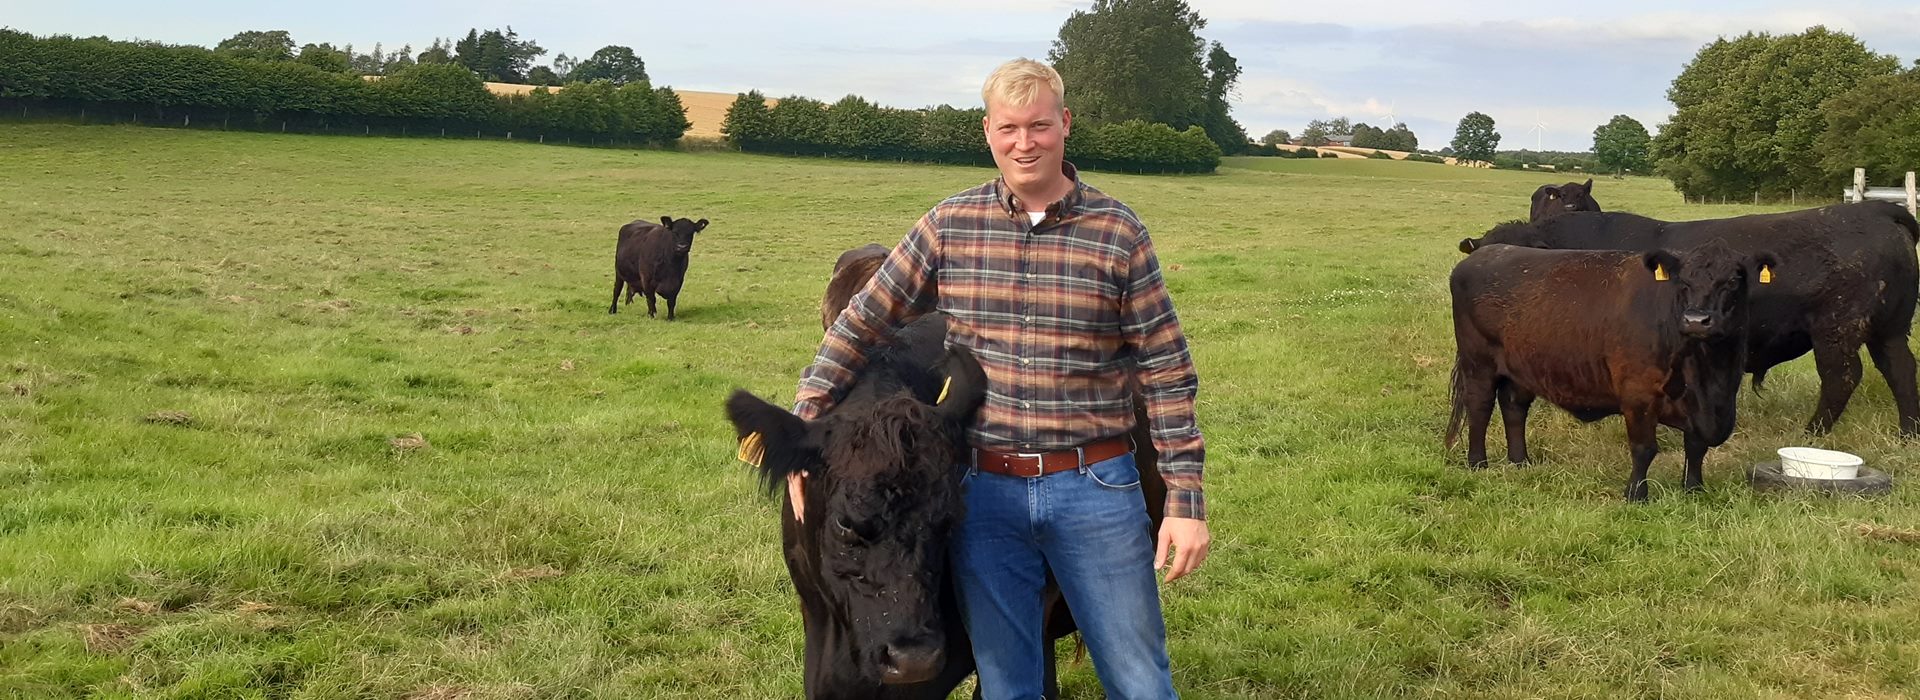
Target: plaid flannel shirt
<point x="1058" y="314"/>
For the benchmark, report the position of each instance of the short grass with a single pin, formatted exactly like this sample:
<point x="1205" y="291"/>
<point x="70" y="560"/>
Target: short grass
<point x="312" y="417"/>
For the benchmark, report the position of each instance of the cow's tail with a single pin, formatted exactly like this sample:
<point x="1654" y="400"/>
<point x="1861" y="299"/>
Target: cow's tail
<point x="1905" y="219"/>
<point x="1456" y="396"/>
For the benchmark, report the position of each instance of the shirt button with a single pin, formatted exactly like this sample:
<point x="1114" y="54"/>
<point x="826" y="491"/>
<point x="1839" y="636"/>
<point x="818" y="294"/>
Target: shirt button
<point x="1030" y="275"/>
<point x="1026" y="320"/>
<point x="1026" y="360"/>
<point x="1024" y="404"/>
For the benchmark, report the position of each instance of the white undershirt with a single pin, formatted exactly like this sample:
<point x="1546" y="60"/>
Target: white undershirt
<point x="1036" y="216"/>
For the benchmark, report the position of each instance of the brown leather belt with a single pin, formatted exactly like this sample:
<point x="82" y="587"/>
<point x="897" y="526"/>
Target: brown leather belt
<point x="1032" y="464"/>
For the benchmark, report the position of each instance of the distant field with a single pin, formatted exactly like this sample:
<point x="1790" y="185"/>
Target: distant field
<point x="333" y="417"/>
<point x="706" y="111"/>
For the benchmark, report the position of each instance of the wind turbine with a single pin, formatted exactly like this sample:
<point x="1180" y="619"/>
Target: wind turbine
<point x="1539" y="130"/>
<point x="1390" y="109"/>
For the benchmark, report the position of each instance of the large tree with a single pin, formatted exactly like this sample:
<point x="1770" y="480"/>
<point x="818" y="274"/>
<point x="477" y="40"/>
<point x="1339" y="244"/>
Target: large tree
<point x="497" y="55"/>
<point x="275" y="45"/>
<point x="1622" y="145"/>
<point x="326" y="58"/>
<point x="1747" y="112"/>
<point x="614" y="63"/>
<point x="1276" y="137"/>
<point x="1876" y="126"/>
<point x="1475" y="138"/>
<point x="1144" y="59"/>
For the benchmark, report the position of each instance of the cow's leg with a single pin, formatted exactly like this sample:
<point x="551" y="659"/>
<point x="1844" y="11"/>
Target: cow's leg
<point x="617" y="284"/>
<point x="671" y="299"/>
<point x="1696" y="454"/>
<point x="1514" y="404"/>
<point x="1642" y="439"/>
<point x="1838" y="360"/>
<point x="1895" y="361"/>
<point x="1759" y="379"/>
<point x="650" y="307"/>
<point x="1478" y="395"/>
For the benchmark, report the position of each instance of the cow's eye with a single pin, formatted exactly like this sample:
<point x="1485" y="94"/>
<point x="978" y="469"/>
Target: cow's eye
<point x="844" y="529"/>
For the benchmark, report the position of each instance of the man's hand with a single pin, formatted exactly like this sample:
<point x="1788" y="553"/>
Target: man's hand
<point x="797" y="495"/>
<point x="1189" y="540"/>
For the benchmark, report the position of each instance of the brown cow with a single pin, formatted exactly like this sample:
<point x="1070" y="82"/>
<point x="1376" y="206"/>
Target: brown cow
<point x="850" y="275"/>
<point x="1658" y="337"/>
<point x="652" y="259"/>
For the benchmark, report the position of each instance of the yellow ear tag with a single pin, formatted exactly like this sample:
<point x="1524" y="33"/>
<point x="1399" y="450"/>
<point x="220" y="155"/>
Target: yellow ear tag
<point x="752" y="450"/>
<point x="1659" y="272"/>
<point x="943" y="391"/>
<point x="1766" y="274"/>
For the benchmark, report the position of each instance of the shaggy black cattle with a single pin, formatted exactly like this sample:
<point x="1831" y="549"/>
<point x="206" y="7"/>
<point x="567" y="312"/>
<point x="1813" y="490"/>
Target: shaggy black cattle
<point x="883" y="490"/>
<point x="850" y="275"/>
<point x="1550" y="200"/>
<point x="1657" y="337"/>
<point x="652" y="259"/>
<point x="1857" y="285"/>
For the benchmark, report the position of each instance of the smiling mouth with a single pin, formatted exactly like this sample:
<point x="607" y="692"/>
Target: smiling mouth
<point x="1030" y="160"/>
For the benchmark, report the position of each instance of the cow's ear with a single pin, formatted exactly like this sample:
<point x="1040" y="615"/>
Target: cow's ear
<point x="1764" y="267"/>
<point x="1467" y="245"/>
<point x="965" y="388"/>
<point x="666" y="221"/>
<point x="1589" y="185"/>
<point x="1664" y="265"/>
<point x="775" y="441"/>
<point x="1552" y="191"/>
<point x="699" y="226"/>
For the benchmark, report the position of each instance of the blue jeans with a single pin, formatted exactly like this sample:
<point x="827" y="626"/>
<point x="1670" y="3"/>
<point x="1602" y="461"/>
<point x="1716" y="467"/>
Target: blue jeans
<point x="1090" y="526"/>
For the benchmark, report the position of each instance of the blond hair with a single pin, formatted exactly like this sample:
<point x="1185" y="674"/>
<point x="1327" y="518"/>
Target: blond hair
<point x="1019" y="82"/>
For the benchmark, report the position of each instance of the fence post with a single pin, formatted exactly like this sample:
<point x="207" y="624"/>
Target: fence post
<point x="186" y="120"/>
<point x="1756" y="197"/>
<point x="1859" y="184"/>
<point x="1793" y="197"/>
<point x="283" y="126"/>
<point x="1913" y="196"/>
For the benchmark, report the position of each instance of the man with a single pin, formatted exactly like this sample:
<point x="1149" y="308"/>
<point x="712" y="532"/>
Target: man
<point x="1055" y="288"/>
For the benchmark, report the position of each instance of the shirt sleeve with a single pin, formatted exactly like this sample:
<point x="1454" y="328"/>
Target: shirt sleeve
<point x="1167" y="379"/>
<point x="903" y="286"/>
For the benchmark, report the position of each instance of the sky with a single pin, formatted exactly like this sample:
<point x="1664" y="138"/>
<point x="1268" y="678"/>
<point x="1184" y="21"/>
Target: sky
<point x="1567" y="67"/>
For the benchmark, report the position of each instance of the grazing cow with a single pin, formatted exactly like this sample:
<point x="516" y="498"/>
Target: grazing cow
<point x="850" y="274"/>
<point x="1657" y="337"/>
<point x="1858" y="286"/>
<point x="1550" y="200"/>
<point x="870" y="561"/>
<point x="652" y="259"/>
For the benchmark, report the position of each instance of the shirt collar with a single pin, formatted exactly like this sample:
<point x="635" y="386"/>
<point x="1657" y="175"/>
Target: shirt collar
<point x="1056" y="210"/>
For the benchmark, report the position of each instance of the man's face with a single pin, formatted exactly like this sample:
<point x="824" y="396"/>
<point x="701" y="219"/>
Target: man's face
<point x="1028" y="142"/>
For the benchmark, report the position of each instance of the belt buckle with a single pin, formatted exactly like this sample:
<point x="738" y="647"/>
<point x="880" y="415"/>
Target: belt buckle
<point x="1039" y="464"/>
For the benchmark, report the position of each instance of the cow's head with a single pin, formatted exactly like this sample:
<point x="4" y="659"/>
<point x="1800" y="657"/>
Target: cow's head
<point x="882" y="495"/>
<point x="1558" y="199"/>
<point x="683" y="231"/>
<point x="1710" y="285"/>
<point x="1520" y="233"/>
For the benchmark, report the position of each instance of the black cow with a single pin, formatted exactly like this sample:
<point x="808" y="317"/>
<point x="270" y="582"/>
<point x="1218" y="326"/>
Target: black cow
<point x="1858" y="286"/>
<point x="1657" y="337"/>
<point x="1550" y="200"/>
<point x="850" y="275"/>
<point x="652" y="259"/>
<point x="883" y="491"/>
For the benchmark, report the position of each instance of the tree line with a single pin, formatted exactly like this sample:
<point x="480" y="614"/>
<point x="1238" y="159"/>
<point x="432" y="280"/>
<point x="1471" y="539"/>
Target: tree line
<point x="245" y="91"/>
<point x="855" y="127"/>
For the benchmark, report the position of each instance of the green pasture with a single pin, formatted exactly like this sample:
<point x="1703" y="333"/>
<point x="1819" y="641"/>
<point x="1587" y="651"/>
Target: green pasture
<point x="340" y="417"/>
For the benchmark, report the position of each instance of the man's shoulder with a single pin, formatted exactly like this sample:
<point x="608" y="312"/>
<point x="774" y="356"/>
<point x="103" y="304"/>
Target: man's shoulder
<point x="1109" y="212"/>
<point x="971" y="200"/>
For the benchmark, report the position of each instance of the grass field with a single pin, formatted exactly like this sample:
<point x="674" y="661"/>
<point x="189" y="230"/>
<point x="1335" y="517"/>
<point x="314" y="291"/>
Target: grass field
<point x="312" y="417"/>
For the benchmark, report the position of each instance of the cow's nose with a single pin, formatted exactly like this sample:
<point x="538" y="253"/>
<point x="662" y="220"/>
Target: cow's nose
<point x="913" y="664"/>
<point x="1696" y="323"/>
